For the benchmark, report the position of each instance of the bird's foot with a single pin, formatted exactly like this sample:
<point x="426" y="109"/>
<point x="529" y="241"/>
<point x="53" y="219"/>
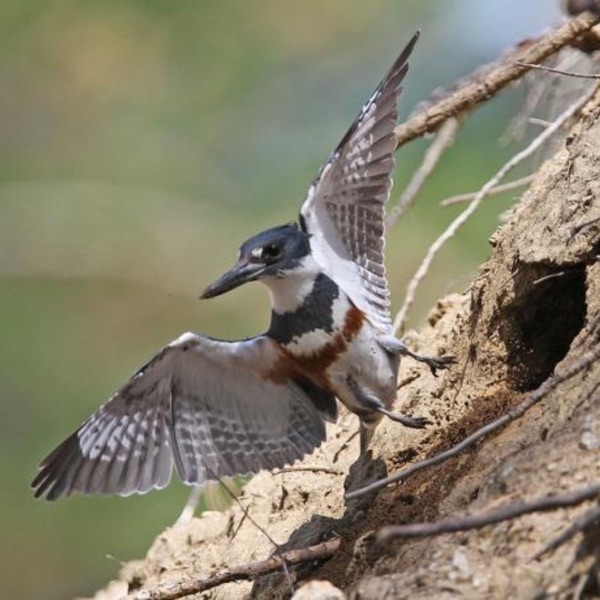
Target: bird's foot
<point x="396" y="346"/>
<point x="435" y="362"/>
<point x="413" y="422"/>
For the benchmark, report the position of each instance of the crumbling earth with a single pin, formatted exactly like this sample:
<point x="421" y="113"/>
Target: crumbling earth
<point x="533" y="310"/>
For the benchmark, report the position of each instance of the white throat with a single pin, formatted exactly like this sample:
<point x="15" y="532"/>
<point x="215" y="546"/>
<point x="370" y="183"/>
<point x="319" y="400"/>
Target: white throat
<point x="289" y="292"/>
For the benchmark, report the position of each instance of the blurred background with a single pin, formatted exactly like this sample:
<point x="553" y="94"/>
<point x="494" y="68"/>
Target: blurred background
<point x="141" y="141"/>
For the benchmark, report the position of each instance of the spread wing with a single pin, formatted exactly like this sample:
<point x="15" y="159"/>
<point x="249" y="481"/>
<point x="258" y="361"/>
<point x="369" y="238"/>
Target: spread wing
<point x="344" y="208"/>
<point x="209" y="407"/>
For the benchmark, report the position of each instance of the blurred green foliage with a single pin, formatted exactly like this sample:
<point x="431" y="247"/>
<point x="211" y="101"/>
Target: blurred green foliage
<point x="140" y="143"/>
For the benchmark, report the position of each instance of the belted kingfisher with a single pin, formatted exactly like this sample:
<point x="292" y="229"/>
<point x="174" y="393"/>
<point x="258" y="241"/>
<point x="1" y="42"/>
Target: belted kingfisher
<point x="215" y="408"/>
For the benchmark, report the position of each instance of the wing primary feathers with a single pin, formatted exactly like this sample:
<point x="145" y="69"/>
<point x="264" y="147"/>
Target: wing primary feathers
<point x="176" y="439"/>
<point x="344" y="210"/>
<point x="201" y="405"/>
<point x="47" y="480"/>
<point x="130" y="455"/>
<point x="146" y="456"/>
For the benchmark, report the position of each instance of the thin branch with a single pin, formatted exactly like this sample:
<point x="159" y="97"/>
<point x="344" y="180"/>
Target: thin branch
<point x="239" y="525"/>
<point x="245" y="572"/>
<point x="548" y="386"/>
<point x="475" y="92"/>
<point x="560" y="71"/>
<point x="579" y="228"/>
<point x="438" y="146"/>
<point x="510" y="511"/>
<point x="542" y="90"/>
<point x="461" y="219"/>
<point x="580" y="524"/>
<point x="247" y="515"/>
<point x="556" y="275"/>
<point x="499" y="189"/>
<point x="345" y="445"/>
<point x="540" y="122"/>
<point x="407" y="381"/>
<point x="308" y="469"/>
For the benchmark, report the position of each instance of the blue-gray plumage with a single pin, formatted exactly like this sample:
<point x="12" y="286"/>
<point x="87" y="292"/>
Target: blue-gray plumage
<point x="212" y="408"/>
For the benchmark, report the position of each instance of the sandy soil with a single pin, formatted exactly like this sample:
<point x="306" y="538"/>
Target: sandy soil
<point x="533" y="309"/>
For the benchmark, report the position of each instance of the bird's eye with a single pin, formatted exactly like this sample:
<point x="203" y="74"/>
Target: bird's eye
<point x="271" y="252"/>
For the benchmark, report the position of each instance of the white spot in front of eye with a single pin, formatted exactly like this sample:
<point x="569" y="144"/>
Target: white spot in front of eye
<point x="256" y="252"/>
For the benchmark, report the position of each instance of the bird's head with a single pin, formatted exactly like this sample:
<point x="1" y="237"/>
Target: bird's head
<point x="272" y="253"/>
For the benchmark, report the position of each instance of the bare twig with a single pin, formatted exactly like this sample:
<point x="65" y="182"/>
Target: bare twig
<point x="557" y="275"/>
<point x="548" y="386"/>
<point x="308" y="469"/>
<point x="510" y="511"/>
<point x="543" y="94"/>
<point x="481" y="90"/>
<point x="442" y="142"/>
<point x="540" y="122"/>
<point x="248" y="571"/>
<point x="461" y="219"/>
<point x="247" y="515"/>
<point x="579" y="228"/>
<point x="560" y="71"/>
<point x="344" y="445"/>
<point x="581" y="523"/>
<point x="239" y="525"/>
<point x="407" y="380"/>
<point x="499" y="189"/>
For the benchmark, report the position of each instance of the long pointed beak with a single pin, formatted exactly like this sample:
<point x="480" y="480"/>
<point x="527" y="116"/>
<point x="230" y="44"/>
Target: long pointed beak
<point x="242" y="272"/>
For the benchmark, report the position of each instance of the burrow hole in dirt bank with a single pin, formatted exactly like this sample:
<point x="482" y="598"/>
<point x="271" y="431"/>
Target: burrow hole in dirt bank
<point x="547" y="312"/>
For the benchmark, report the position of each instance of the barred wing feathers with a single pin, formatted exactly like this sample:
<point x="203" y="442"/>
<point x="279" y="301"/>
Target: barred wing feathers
<point x="208" y="407"/>
<point x="345" y="206"/>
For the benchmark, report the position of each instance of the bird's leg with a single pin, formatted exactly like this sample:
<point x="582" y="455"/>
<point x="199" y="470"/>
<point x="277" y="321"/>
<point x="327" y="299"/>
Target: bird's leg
<point x="414" y="422"/>
<point x="370" y="410"/>
<point x="367" y="425"/>
<point x="366" y="433"/>
<point x="396" y="346"/>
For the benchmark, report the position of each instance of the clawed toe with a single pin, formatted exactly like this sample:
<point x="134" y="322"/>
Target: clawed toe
<point x="413" y="422"/>
<point x="438" y="362"/>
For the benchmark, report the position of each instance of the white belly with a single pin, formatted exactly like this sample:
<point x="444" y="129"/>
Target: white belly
<point x="366" y="365"/>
